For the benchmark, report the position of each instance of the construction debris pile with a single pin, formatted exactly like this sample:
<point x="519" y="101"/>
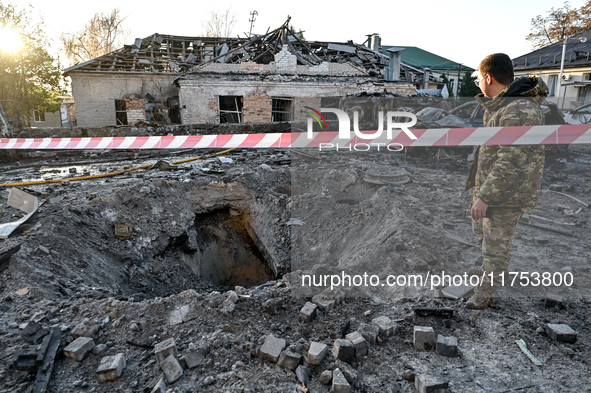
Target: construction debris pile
<point x="185" y="278"/>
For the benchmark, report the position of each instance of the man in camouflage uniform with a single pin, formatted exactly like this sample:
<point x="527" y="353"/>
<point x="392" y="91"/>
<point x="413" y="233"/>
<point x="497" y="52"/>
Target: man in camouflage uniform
<point x="506" y="178"/>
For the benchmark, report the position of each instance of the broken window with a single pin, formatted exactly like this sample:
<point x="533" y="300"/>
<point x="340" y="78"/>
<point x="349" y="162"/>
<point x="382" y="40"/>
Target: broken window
<point x="281" y="109"/>
<point x="230" y="109"/>
<point x="120" y="112"/>
<point x="38" y="116"/>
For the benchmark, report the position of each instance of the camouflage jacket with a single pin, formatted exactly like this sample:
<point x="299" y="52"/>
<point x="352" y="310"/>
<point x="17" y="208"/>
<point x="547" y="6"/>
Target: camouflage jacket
<point x="511" y="175"/>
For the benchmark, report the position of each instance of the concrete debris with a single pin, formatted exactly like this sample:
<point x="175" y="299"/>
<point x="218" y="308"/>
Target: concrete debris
<point x="344" y="350"/>
<point x="427" y="383"/>
<point x="369" y="332"/>
<point x="447" y="346"/>
<point x="308" y="312"/>
<point x="303" y="374"/>
<point x="317" y="353"/>
<point x="553" y="300"/>
<point x="160" y="386"/>
<point x="289" y="360"/>
<point x="272" y="348"/>
<point x="111" y="368"/>
<point x="561" y="332"/>
<point x="386" y="327"/>
<point x="326" y="377"/>
<point x="177" y="316"/>
<point x="172" y="369"/>
<point x="339" y="383"/>
<point x="359" y="343"/>
<point x="85" y="329"/>
<point x="424" y="338"/>
<point x="194" y="358"/>
<point x="164" y="349"/>
<point x="33" y="332"/>
<point x="79" y="348"/>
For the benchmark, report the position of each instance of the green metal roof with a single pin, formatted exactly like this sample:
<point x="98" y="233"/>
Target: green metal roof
<point x="419" y="58"/>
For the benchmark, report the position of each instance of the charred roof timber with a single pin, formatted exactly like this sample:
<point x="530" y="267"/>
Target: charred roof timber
<point x="178" y="55"/>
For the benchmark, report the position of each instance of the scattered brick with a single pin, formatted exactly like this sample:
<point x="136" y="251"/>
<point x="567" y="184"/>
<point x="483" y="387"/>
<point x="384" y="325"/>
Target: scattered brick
<point x="424" y="338"/>
<point x="308" y="312"/>
<point x="272" y="347"/>
<point x="447" y="346"/>
<point x="561" y="332"/>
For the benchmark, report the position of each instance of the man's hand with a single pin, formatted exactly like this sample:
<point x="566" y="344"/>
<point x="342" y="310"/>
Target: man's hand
<point x="478" y="209"/>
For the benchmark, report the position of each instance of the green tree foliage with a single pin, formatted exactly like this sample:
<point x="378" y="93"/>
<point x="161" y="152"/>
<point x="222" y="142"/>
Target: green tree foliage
<point x="468" y="87"/>
<point x="28" y="74"/>
<point x="559" y="24"/>
<point x="447" y="83"/>
<point x="294" y="32"/>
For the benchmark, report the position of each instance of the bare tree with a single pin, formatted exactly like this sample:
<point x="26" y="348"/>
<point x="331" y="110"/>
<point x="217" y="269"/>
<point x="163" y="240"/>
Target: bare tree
<point x="559" y="24"/>
<point x="219" y="24"/>
<point x="101" y="35"/>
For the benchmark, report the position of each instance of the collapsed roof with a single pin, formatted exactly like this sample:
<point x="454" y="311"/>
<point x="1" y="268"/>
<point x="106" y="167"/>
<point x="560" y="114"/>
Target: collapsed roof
<point x="177" y="55"/>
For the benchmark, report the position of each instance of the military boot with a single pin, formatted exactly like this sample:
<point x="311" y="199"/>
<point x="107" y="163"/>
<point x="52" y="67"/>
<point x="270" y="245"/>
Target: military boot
<point x="482" y="297"/>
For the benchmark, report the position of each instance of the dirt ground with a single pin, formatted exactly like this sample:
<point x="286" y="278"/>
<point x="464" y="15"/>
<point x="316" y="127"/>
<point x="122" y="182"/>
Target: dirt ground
<point x="217" y="251"/>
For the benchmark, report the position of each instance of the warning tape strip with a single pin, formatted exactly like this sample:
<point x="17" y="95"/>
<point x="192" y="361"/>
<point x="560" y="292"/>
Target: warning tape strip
<point x="525" y="135"/>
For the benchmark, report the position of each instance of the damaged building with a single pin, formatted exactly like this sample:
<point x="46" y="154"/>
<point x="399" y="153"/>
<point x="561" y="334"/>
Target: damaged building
<point x="264" y="78"/>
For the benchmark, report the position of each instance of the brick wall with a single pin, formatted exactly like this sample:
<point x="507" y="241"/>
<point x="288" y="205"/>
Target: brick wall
<point x="256" y="107"/>
<point x="198" y="94"/>
<point x="95" y="94"/>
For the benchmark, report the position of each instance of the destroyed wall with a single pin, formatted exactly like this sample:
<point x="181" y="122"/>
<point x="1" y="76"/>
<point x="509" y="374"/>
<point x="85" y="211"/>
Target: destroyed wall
<point x="96" y="94"/>
<point x="198" y="94"/>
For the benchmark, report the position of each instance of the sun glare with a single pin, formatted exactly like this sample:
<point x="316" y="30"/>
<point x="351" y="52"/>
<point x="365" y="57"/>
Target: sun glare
<point x="10" y="41"/>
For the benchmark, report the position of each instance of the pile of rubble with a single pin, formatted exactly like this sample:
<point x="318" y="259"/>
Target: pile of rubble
<point x="84" y="310"/>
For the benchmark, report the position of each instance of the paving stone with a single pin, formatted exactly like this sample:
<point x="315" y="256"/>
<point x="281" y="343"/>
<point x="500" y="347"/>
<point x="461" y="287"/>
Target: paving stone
<point x="339" y="383"/>
<point x="447" y="346"/>
<point x="326" y="377"/>
<point x="456" y="292"/>
<point x="164" y="349"/>
<point x="290" y="360"/>
<point x="177" y="316"/>
<point x="561" y="332"/>
<point x="386" y="327"/>
<point x="272" y="347"/>
<point x="194" y="358"/>
<point x="160" y="387"/>
<point x="172" y="369"/>
<point x="308" y="312"/>
<point x="424" y="338"/>
<point x="359" y="343"/>
<point x="369" y="333"/>
<point x="344" y="350"/>
<point x="111" y="368"/>
<point x="78" y="348"/>
<point x="426" y="383"/>
<point x="334" y="294"/>
<point x="553" y="300"/>
<point x="317" y="353"/>
<point x="303" y="374"/>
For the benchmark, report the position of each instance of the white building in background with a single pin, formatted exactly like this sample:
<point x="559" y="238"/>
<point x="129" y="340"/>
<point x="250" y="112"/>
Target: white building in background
<point x="545" y="62"/>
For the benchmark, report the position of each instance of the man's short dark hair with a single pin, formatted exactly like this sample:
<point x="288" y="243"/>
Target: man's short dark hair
<point x="499" y="66"/>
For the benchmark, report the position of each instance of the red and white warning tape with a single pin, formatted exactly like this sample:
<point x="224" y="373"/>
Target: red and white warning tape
<point x="537" y="135"/>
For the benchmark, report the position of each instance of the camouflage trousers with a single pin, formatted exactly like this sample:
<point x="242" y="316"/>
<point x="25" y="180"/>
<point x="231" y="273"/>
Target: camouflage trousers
<point x="495" y="234"/>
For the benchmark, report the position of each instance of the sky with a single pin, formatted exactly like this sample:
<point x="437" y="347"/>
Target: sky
<point x="463" y="31"/>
